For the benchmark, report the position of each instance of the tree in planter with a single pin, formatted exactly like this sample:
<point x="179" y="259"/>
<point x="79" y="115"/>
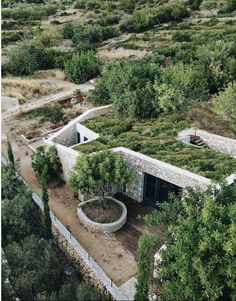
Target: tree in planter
<point x="10" y="152"/>
<point x="50" y="159"/>
<point x="145" y="268"/>
<point x="100" y="174"/>
<point x="45" y="198"/>
<point x="199" y="261"/>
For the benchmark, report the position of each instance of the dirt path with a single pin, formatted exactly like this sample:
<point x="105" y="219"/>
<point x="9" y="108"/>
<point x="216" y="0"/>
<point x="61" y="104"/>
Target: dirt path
<point x="70" y="91"/>
<point x="109" y="253"/>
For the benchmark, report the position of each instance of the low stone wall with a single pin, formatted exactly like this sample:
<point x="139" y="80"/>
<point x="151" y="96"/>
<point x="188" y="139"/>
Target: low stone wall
<point x="102" y="227"/>
<point x="216" y="142"/>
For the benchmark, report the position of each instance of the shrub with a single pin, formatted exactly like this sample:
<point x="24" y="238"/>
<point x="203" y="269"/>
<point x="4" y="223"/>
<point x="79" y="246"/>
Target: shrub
<point x="145" y="268"/>
<point x="225" y="102"/>
<point x="181" y="37"/>
<point x="21" y="61"/>
<point x="68" y="31"/>
<point x="208" y="4"/>
<point x="217" y="60"/>
<point x="194" y="4"/>
<point x="83" y="67"/>
<point x="200" y="246"/>
<point x="52" y="113"/>
<point x="29" y="12"/>
<point x="25" y="60"/>
<point x="49" y="159"/>
<point x="89" y="37"/>
<point x="180" y="86"/>
<point x="17" y="217"/>
<point x="80" y="4"/>
<point x="86" y="292"/>
<point x="10" y="152"/>
<point x="11" y="184"/>
<point x="129" y="85"/>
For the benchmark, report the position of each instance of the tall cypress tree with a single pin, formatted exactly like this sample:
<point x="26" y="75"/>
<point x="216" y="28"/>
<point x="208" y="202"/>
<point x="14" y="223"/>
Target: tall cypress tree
<point x="45" y="198"/>
<point x="145" y="267"/>
<point x="10" y="152"/>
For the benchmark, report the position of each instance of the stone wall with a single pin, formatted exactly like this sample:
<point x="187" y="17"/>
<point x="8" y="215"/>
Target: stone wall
<point x="103" y="228"/>
<point x="143" y="164"/>
<point x="216" y="142"/>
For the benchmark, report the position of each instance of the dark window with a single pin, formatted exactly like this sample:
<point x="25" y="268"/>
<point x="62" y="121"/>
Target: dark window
<point x="78" y="137"/>
<point x="85" y="138"/>
<point x="157" y="190"/>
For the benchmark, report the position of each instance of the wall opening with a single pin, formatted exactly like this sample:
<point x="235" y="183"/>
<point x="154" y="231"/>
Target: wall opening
<point x="157" y="190"/>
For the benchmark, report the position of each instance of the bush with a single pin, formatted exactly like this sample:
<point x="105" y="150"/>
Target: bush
<point x="208" y="4"/>
<point x="180" y="86"/>
<point x="86" y="292"/>
<point x="217" y="60"/>
<point x="29" y="12"/>
<point x="21" y="61"/>
<point x="48" y="160"/>
<point x="129" y="85"/>
<point x="181" y="37"/>
<point x="83" y="67"/>
<point x="68" y="31"/>
<point x="225" y="102"/>
<point x="52" y="113"/>
<point x="80" y="4"/>
<point x="145" y="268"/>
<point x="199" y="246"/>
<point x="11" y="184"/>
<point x="89" y="37"/>
<point x="25" y="60"/>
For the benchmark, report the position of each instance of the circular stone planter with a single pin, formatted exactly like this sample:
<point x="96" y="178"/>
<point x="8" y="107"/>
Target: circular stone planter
<point x="102" y="227"/>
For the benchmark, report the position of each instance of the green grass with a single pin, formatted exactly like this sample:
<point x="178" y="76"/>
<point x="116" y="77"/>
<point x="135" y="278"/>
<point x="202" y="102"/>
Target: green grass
<point x="157" y="139"/>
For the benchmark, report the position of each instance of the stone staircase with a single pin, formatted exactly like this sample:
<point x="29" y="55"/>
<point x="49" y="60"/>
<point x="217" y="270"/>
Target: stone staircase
<point x="196" y="140"/>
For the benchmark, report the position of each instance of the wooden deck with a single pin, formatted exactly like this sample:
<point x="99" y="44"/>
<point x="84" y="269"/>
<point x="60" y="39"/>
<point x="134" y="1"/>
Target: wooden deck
<point x="134" y="227"/>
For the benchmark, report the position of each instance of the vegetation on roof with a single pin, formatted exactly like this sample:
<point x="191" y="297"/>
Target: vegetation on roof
<point x="157" y="138"/>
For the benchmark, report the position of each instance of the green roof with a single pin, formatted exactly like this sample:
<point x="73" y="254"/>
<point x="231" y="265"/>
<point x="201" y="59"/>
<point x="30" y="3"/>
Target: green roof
<point x="157" y="138"/>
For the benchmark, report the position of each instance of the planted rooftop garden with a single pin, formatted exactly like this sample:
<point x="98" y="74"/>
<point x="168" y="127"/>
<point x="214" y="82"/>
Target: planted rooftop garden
<point x="157" y="138"/>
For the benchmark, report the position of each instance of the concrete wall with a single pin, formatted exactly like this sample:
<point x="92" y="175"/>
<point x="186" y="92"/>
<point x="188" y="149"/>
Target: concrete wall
<point x="67" y="135"/>
<point x="85" y="132"/>
<point x="216" y="142"/>
<point x="141" y="164"/>
<point x="67" y="156"/>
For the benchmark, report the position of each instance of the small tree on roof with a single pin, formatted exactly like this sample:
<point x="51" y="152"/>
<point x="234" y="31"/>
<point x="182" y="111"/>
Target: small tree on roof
<point x="100" y="174"/>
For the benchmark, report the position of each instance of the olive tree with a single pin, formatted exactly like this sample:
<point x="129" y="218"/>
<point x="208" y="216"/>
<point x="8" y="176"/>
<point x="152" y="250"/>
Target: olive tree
<point x="100" y="174"/>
